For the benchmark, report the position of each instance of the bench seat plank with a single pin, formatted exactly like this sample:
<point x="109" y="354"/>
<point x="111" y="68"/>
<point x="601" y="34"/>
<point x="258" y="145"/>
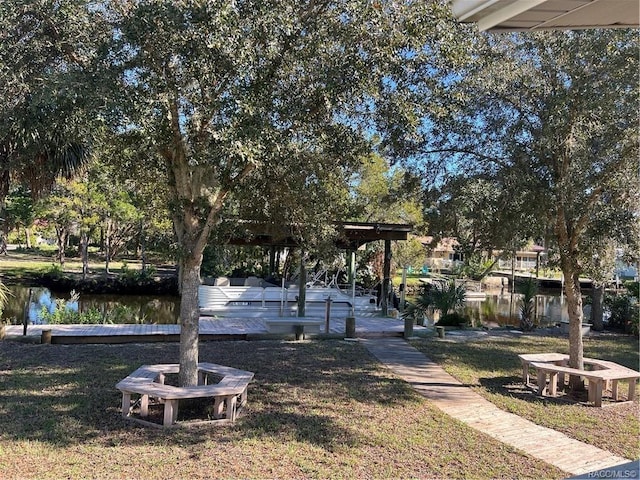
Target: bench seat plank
<point x="527" y="358"/>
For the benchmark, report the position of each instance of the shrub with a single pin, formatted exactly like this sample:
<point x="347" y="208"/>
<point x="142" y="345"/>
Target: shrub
<point x="477" y="268"/>
<point x="622" y="310"/>
<point x="419" y="308"/>
<point x="634" y="324"/>
<point x="454" y="319"/>
<point x="633" y="288"/>
<point x="135" y="277"/>
<point x="443" y="295"/>
<point x="54" y="271"/>
<point x="5" y="293"/>
<point x="124" y="314"/>
<point x="446" y="296"/>
<point x="65" y="313"/>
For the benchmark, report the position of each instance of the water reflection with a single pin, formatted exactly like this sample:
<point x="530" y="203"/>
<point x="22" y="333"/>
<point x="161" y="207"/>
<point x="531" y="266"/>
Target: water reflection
<point x="495" y="310"/>
<point x="30" y="301"/>
<point x="498" y="309"/>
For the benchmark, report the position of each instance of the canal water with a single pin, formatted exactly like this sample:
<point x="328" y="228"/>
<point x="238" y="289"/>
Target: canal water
<point x="497" y="309"/>
<point x="30" y="301"/>
<point x="503" y="309"/>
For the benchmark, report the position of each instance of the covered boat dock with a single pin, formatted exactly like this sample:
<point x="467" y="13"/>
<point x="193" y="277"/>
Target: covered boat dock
<point x="350" y="237"/>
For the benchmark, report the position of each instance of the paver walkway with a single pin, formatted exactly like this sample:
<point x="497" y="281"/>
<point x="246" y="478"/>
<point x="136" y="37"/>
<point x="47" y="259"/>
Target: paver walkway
<point x="462" y="403"/>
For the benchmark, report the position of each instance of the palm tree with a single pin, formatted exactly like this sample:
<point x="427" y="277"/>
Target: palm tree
<point x="38" y="163"/>
<point x="419" y="308"/>
<point x="443" y="295"/>
<point x="447" y="296"/>
<point x="38" y="157"/>
<point x="529" y="291"/>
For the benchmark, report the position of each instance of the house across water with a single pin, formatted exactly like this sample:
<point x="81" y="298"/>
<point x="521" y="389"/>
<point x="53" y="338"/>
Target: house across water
<point x="445" y="255"/>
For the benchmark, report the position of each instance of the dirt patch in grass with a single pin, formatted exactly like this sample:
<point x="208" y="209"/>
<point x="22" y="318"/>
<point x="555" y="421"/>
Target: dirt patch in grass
<point x="322" y="409"/>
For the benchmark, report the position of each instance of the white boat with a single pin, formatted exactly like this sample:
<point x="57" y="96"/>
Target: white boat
<point x="251" y="300"/>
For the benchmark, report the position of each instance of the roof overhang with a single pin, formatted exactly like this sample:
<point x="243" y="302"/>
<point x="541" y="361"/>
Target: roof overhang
<point x="355" y="234"/>
<point x="351" y="235"/>
<point x="527" y="15"/>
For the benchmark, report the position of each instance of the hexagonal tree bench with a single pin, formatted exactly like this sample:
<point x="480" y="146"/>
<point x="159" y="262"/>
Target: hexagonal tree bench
<point x="229" y="394"/>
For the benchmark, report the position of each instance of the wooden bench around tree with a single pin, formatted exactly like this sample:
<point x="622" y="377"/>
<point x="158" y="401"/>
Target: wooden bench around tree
<point x="229" y="394"/>
<point x="527" y="358"/>
<point x="599" y="378"/>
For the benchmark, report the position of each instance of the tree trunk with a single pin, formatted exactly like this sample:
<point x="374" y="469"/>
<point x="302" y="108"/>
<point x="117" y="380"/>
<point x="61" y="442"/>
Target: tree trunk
<point x="597" y="306"/>
<point x="272" y="260"/>
<point x="386" y="278"/>
<point x="567" y="235"/>
<point x="84" y="249"/>
<point x="302" y="287"/>
<point x="574" y="309"/>
<point x="106" y="233"/>
<point x="61" y="234"/>
<point x="189" y="320"/>
<point x="286" y="267"/>
<point x="143" y="249"/>
<point x="4" y="191"/>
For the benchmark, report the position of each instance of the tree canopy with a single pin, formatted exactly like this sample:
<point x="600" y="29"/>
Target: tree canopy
<point x="267" y="107"/>
<point x="47" y="49"/>
<point x="553" y="116"/>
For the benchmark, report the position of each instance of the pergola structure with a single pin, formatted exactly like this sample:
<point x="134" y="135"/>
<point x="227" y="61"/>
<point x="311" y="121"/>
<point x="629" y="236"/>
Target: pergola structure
<point x="529" y="15"/>
<point x="351" y="236"/>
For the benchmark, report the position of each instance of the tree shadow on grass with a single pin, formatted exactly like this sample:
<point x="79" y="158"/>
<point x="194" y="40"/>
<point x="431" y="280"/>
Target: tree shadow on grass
<point x="315" y="429"/>
<point x="513" y="387"/>
<point x="65" y="394"/>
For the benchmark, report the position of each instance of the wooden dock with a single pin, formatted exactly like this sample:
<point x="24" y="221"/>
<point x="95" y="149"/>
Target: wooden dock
<point x="210" y="329"/>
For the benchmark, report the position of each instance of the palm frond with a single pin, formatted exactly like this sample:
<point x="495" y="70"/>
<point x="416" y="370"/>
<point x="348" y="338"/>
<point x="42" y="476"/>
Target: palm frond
<point x="5" y="293"/>
<point x="448" y="296"/>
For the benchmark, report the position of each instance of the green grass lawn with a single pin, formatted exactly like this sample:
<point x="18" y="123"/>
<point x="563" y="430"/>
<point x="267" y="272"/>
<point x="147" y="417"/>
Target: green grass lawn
<point x="322" y="409"/>
<point x="493" y="369"/>
<point x="17" y="263"/>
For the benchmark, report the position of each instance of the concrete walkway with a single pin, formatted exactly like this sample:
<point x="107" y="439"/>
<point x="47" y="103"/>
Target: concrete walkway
<point x="462" y="403"/>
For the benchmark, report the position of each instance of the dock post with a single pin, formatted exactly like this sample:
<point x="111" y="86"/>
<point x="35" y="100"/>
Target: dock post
<point x="45" y="337"/>
<point x="25" y="319"/>
<point x="327" y="314"/>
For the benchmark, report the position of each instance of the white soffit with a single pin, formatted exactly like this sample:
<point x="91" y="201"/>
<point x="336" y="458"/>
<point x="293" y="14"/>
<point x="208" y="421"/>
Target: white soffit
<point x="516" y="15"/>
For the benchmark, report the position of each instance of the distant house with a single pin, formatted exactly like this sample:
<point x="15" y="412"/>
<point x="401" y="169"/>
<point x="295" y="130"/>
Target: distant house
<point x="623" y="269"/>
<point x="526" y="260"/>
<point x="445" y="256"/>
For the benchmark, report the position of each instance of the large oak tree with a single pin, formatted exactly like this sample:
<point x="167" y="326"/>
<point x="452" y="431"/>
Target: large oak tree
<point x="279" y="96"/>
<point x="554" y="116"/>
